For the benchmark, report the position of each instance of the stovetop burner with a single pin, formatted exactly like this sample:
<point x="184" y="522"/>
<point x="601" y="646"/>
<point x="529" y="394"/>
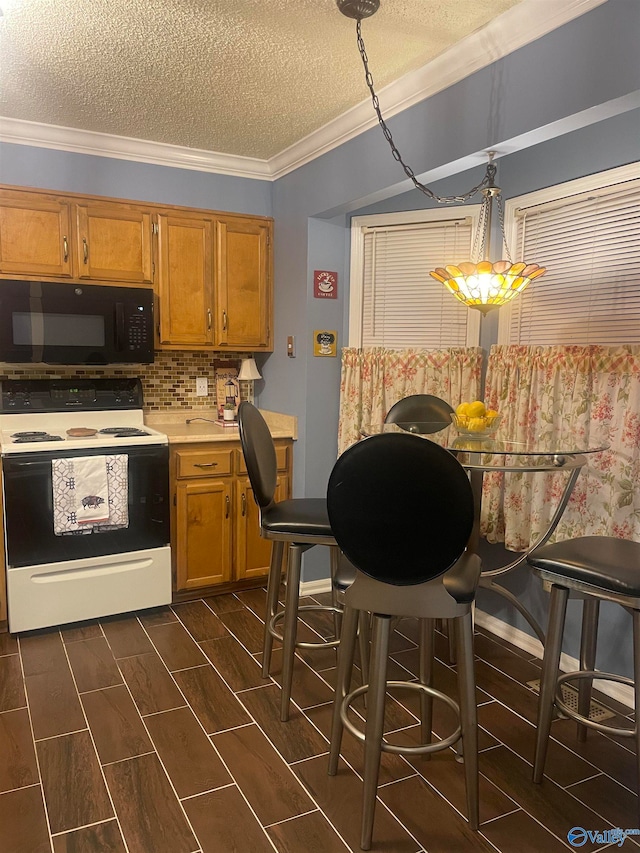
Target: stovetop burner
<point x="31" y="434"/>
<point x="27" y="437"/>
<point x="123" y="432"/>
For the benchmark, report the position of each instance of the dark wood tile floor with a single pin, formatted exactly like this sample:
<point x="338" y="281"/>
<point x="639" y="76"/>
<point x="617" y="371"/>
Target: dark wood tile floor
<point x="155" y="733"/>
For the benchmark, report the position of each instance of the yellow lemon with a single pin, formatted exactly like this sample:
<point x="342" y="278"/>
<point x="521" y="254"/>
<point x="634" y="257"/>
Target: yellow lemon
<point x="476" y="409"/>
<point x="462" y="409"/>
<point x="477" y="424"/>
<point x="491" y="413"/>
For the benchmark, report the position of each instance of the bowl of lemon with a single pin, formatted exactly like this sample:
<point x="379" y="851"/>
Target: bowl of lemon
<point x="475" y="420"/>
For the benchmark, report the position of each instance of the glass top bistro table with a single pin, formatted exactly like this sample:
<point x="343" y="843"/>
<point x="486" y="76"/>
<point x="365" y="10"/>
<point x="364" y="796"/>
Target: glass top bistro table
<point x="566" y="452"/>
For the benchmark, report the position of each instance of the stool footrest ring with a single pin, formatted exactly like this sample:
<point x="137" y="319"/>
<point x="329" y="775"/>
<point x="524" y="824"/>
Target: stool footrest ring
<point x="423" y="749"/>
<point x="579" y="718"/>
<point x="323" y="608"/>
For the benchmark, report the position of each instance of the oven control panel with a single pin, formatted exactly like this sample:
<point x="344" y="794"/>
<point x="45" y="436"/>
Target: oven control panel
<point x="60" y="395"/>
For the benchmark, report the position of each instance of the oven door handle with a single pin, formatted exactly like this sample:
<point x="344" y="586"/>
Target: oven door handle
<point x="68" y="574"/>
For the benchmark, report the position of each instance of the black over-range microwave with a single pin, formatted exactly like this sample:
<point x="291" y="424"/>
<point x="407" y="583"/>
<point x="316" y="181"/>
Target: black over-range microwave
<point x="62" y="323"/>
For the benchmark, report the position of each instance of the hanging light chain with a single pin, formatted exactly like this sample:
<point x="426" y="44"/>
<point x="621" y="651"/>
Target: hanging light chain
<point x="480" y="239"/>
<point x="455" y="199"/>
<point x="500" y="207"/>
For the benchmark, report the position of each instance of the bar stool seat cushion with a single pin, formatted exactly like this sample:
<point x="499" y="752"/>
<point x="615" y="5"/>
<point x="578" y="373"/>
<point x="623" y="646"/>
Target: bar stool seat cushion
<point x="297" y="517"/>
<point x="604" y="562"/>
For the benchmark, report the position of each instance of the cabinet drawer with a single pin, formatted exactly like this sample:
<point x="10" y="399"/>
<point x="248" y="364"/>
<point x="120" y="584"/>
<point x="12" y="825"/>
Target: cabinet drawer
<point x="282" y="459"/>
<point x="203" y="463"/>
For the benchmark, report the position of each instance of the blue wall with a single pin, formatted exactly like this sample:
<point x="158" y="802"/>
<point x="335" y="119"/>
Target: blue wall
<point x="45" y="168"/>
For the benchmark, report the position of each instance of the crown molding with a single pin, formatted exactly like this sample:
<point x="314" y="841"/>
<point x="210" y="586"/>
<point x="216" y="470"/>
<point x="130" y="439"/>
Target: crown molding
<point x="518" y="26"/>
<point x="124" y="148"/>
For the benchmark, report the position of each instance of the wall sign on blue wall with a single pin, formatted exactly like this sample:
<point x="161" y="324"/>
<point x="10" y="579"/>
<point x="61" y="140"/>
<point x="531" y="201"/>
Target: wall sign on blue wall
<point x="325" y="284"/>
<point x="325" y="343"/>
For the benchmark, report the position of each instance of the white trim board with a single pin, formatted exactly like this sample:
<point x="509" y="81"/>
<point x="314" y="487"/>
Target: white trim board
<point x="518" y="26"/>
<point x="620" y="692"/>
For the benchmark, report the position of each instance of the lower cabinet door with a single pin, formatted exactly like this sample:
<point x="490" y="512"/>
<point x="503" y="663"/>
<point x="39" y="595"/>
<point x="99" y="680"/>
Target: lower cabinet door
<point x="253" y="553"/>
<point x="203" y="532"/>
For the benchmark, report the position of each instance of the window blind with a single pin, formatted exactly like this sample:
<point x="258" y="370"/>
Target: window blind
<point x="402" y="306"/>
<point x="590" y="294"/>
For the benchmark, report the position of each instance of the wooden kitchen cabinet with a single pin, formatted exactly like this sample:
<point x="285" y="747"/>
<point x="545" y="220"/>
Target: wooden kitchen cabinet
<point x="35" y="234"/>
<point x="48" y="235"/>
<point x="184" y="282"/>
<point x="243" y="284"/>
<point x="114" y="242"/>
<point x="215" y="531"/>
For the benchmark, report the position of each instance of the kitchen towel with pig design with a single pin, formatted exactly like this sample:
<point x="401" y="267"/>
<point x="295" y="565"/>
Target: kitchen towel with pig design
<point x="90" y="494"/>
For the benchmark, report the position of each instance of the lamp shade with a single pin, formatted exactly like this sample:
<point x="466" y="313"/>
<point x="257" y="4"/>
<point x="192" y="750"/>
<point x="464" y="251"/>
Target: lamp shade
<point x="485" y="285"/>
<point x="249" y="370"/>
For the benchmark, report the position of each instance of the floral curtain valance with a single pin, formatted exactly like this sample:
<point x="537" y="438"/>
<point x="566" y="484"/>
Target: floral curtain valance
<point x="592" y="390"/>
<point x="375" y="378"/>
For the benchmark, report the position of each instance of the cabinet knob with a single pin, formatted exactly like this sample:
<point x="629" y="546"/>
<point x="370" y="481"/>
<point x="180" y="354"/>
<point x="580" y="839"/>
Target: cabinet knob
<point x="227" y="502"/>
<point x="208" y="319"/>
<point x="243" y="502"/>
<point x="85" y="250"/>
<point x="65" y="248"/>
<point x="224" y="321"/>
<point x="204" y="464"/>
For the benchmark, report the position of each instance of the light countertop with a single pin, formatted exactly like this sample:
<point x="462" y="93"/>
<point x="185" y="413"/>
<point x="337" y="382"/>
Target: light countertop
<point x="178" y="431"/>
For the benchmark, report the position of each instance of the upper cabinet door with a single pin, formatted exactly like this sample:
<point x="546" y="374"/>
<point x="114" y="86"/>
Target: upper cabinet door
<point x="185" y="282"/>
<point x="243" y="277"/>
<point x="114" y="243"/>
<point x="35" y="235"/>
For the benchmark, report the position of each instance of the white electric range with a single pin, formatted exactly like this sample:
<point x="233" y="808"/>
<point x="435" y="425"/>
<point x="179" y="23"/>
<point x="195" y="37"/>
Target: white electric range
<point x="60" y="570"/>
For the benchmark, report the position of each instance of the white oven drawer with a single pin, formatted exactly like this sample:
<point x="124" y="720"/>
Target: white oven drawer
<point x="71" y="591"/>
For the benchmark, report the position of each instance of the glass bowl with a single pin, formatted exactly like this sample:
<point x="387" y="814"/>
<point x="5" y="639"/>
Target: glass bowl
<point x="482" y="427"/>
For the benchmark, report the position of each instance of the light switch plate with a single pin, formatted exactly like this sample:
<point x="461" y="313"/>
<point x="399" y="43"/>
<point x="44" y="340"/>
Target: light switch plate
<point x="202" y="386"/>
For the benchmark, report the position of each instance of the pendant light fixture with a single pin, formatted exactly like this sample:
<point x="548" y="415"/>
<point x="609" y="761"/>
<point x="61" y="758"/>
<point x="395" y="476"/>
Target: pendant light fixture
<point x="479" y="284"/>
<point x="482" y="284"/>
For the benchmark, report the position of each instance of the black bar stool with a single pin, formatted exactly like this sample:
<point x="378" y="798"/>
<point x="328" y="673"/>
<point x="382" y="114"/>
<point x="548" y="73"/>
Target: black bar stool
<point x="594" y="569"/>
<point x="401" y="509"/>
<point x="299" y="524"/>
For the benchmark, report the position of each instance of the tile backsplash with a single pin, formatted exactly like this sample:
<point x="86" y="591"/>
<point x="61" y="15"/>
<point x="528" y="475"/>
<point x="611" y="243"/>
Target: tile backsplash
<point x="168" y="383"/>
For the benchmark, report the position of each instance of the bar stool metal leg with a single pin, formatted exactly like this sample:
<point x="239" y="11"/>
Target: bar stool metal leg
<point x="290" y="626"/>
<point x="468" y="714"/>
<point x="273" y="587"/>
<point x="427" y="628"/>
<point x="334" y="556"/>
<point x="588" y="643"/>
<point x="346" y="651"/>
<point x="550" y="664"/>
<point x="374" y="728"/>
<point x="364" y="644"/>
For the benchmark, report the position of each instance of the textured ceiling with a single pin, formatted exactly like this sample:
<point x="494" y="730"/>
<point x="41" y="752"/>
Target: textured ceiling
<point x="244" y="77"/>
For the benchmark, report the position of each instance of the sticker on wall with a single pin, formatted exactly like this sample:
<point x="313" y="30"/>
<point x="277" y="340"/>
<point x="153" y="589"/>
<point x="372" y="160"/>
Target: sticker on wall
<point x="324" y="343"/>
<point x="325" y="284"/>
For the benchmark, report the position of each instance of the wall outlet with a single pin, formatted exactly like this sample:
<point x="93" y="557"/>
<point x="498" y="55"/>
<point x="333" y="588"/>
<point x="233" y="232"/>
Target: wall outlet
<point x="202" y="386"/>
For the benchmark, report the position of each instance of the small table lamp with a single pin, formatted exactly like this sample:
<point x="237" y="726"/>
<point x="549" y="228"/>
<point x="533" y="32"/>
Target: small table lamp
<point x="248" y="372"/>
